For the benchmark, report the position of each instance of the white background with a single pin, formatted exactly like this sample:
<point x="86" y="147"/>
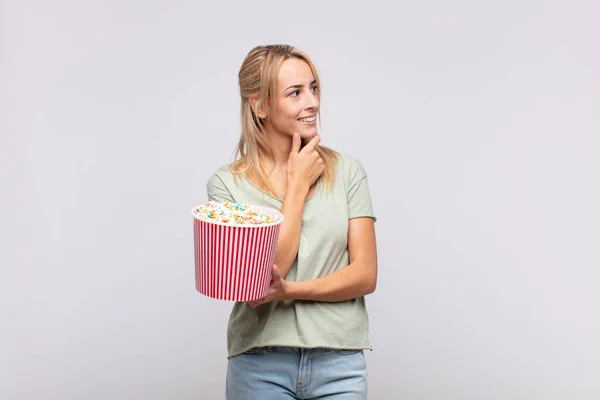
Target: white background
<point x="478" y="124"/>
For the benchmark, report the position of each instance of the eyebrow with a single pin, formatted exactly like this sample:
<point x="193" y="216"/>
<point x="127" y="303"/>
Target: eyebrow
<point x="299" y="86"/>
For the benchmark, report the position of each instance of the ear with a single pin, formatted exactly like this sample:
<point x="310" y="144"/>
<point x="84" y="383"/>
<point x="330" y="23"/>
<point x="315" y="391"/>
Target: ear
<point x="258" y="108"/>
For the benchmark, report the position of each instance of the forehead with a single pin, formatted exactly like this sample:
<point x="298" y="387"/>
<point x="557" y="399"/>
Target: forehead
<point x="294" y="72"/>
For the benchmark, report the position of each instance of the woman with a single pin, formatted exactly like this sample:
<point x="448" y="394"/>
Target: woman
<point x="306" y="338"/>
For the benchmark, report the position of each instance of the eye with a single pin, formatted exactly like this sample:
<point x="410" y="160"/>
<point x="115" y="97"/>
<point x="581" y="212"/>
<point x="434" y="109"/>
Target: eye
<point x="295" y="93"/>
<point x="314" y="89"/>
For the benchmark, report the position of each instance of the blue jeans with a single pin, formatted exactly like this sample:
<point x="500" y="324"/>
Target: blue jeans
<point x="279" y="373"/>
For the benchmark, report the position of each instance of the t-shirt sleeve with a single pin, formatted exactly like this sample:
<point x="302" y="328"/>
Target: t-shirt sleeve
<point x="359" y="198"/>
<point x="217" y="191"/>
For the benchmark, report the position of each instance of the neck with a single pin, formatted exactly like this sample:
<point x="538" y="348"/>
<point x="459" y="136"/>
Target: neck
<point x="281" y="146"/>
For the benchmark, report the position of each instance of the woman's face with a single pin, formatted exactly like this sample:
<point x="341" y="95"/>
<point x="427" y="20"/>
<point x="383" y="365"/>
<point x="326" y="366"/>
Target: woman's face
<point x="297" y="100"/>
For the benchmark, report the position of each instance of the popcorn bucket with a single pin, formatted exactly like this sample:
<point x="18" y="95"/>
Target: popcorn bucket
<point x="234" y="262"/>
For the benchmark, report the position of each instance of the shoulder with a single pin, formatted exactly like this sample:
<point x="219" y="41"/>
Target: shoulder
<point x="222" y="174"/>
<point x="350" y="167"/>
<point x="220" y="183"/>
<point x="222" y="186"/>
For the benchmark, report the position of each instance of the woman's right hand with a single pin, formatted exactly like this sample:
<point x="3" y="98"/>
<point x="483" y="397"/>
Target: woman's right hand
<point x="304" y="166"/>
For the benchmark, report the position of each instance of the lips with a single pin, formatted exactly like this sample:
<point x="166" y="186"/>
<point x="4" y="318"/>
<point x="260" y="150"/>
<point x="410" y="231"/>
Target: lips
<point x="308" y="119"/>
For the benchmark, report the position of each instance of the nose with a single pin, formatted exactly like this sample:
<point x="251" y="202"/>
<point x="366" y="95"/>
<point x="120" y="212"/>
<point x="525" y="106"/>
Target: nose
<point x="312" y="101"/>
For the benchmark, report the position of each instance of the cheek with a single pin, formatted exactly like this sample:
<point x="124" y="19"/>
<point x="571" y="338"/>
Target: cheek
<point x="287" y="115"/>
<point x="290" y="111"/>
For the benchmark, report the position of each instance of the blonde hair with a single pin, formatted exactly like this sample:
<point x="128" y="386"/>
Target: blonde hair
<point x="258" y="78"/>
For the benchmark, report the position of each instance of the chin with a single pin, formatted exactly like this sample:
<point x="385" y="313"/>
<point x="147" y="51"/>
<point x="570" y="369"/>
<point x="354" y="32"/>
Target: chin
<point x="308" y="134"/>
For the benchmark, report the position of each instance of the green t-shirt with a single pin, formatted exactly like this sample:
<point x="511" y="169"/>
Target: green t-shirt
<point x="323" y="249"/>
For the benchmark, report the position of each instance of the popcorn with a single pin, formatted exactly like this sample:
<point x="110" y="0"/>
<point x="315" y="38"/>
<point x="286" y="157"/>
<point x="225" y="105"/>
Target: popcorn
<point x="234" y="249"/>
<point x="233" y="214"/>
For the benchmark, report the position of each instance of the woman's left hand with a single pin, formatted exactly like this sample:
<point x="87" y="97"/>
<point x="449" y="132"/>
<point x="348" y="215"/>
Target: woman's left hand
<point x="279" y="290"/>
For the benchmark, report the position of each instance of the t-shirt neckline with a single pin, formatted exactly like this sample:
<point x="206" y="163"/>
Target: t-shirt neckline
<point x="275" y="198"/>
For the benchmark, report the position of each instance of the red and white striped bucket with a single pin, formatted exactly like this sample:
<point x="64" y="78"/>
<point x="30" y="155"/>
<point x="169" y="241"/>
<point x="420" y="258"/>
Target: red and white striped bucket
<point x="234" y="262"/>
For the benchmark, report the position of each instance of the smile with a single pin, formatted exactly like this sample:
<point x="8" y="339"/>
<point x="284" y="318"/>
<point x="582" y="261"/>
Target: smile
<point x="308" y="119"/>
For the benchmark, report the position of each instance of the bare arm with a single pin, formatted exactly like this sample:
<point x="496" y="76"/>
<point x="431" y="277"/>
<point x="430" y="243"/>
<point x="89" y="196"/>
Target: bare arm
<point x="357" y="279"/>
<point x="289" y="234"/>
<point x="304" y="167"/>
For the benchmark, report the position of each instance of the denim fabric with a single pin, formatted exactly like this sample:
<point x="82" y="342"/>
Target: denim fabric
<point x="279" y="373"/>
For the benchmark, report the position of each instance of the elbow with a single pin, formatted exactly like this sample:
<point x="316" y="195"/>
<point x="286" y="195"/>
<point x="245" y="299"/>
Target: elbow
<point x="371" y="287"/>
<point x="371" y="282"/>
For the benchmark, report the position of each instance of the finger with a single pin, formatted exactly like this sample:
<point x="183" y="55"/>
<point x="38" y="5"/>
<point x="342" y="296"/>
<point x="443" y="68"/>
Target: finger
<point x="254" y="303"/>
<point x="296" y="143"/>
<point x="313" y="143"/>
